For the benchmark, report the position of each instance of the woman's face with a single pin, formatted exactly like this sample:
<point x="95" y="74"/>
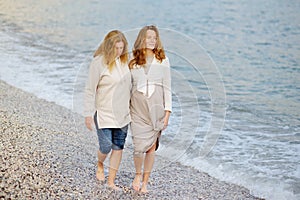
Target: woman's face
<point x="119" y="47"/>
<point x="151" y="39"/>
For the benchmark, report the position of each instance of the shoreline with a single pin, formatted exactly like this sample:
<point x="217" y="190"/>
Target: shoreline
<point x="48" y="153"/>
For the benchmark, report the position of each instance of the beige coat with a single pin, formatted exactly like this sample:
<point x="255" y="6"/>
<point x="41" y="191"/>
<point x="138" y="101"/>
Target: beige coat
<point x="151" y="97"/>
<point x="108" y="93"/>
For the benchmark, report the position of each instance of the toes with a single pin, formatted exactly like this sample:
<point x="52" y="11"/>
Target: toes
<point x="114" y="187"/>
<point x="144" y="188"/>
<point x="136" y="187"/>
<point x="136" y="184"/>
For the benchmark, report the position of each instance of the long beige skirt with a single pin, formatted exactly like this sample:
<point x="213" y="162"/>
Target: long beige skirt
<point x="147" y="115"/>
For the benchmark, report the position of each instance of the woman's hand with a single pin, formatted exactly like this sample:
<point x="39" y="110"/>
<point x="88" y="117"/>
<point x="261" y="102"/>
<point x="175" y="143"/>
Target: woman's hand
<point x="89" y="123"/>
<point x="166" y="120"/>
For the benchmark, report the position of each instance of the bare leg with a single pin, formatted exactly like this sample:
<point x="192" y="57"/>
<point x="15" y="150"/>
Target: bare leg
<point x="148" y="165"/>
<point x="138" y="162"/>
<point x="114" y="163"/>
<point x="100" y="168"/>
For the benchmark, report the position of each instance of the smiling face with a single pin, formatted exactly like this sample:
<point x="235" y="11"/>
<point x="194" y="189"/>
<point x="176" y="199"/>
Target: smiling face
<point x="119" y="48"/>
<point x="151" y="39"/>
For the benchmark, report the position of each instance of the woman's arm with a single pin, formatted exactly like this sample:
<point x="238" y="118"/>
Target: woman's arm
<point x="167" y="92"/>
<point x="167" y="85"/>
<point x="90" y="91"/>
<point x="166" y="120"/>
<point x="89" y="122"/>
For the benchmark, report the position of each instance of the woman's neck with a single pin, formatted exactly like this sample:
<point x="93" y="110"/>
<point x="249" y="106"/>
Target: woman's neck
<point x="149" y="52"/>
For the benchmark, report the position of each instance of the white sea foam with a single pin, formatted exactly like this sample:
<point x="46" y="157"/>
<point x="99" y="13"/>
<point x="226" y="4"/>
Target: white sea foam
<point x="259" y="145"/>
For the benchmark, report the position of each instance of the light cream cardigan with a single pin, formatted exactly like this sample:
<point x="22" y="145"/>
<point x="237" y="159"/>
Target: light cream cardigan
<point x="108" y="93"/>
<point x="158" y="74"/>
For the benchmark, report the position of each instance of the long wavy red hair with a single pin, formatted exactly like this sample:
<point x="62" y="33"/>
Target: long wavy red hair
<point x="139" y="48"/>
<point x="107" y="48"/>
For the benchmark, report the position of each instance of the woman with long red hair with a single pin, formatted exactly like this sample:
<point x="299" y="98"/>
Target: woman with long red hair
<point x="151" y="101"/>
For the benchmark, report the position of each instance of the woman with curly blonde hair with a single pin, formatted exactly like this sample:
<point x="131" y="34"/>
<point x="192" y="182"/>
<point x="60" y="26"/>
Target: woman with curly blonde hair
<point x="151" y="101"/>
<point x="107" y="96"/>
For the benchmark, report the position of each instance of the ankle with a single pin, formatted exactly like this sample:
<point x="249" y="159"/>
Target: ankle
<point x="138" y="174"/>
<point x="100" y="166"/>
<point x="100" y="163"/>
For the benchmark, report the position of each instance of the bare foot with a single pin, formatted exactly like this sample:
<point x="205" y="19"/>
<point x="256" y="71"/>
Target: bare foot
<point x="100" y="172"/>
<point x="144" y="188"/>
<point x="136" y="183"/>
<point x="114" y="187"/>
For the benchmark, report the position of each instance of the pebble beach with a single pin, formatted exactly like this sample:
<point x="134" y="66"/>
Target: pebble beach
<point x="47" y="153"/>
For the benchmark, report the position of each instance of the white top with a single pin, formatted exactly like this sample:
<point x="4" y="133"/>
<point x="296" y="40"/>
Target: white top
<point x="158" y="74"/>
<point x="108" y="93"/>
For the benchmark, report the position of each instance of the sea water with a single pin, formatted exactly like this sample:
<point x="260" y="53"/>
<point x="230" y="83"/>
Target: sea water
<point x="235" y="109"/>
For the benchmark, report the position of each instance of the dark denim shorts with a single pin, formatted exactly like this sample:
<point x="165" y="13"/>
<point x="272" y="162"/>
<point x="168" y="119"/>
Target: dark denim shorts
<point x="111" y="138"/>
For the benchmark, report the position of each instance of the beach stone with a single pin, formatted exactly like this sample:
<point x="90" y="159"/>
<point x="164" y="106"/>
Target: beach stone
<point x="46" y="155"/>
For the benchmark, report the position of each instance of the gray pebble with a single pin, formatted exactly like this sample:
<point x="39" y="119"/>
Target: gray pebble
<point x="47" y="153"/>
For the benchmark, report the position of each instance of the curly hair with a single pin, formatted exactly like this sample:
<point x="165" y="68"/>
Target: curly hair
<point x="139" y="49"/>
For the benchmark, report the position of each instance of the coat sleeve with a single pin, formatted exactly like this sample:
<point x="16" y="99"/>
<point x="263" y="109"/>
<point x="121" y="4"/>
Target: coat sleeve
<point x="167" y="85"/>
<point x="91" y="87"/>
